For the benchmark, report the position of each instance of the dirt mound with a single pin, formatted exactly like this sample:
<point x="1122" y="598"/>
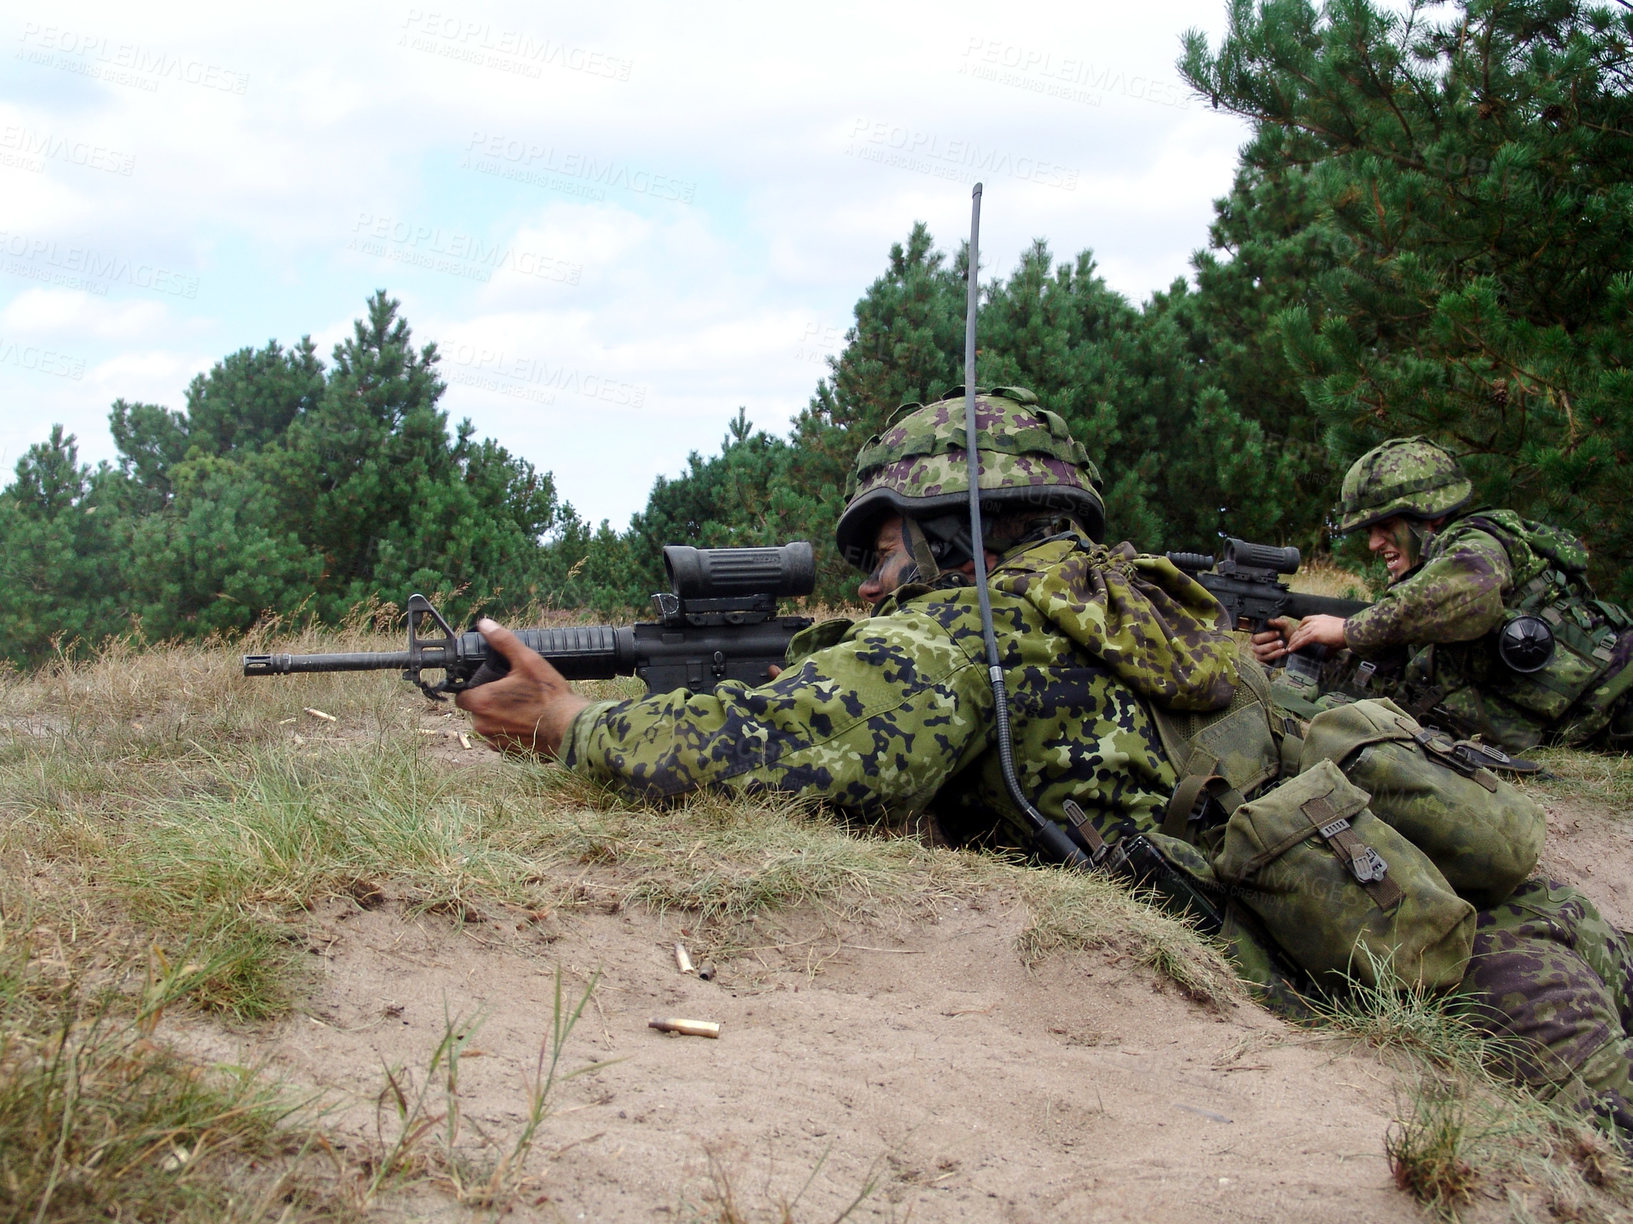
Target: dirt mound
<point x="925" y="1062"/>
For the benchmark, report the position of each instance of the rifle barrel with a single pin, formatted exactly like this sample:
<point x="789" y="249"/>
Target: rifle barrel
<point x="579" y="652"/>
<point x="363" y="660"/>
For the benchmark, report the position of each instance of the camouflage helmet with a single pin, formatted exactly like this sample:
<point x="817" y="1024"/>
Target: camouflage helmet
<point x="917" y="467"/>
<point x="1413" y="477"/>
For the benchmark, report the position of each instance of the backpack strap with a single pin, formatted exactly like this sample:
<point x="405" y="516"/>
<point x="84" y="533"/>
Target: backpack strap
<point x="1200" y="801"/>
<point x="1365" y="863"/>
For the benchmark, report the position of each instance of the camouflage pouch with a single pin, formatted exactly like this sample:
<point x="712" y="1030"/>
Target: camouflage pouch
<point x="1156" y="627"/>
<point x="1482" y="833"/>
<point x="1577" y="685"/>
<point x="1341" y="891"/>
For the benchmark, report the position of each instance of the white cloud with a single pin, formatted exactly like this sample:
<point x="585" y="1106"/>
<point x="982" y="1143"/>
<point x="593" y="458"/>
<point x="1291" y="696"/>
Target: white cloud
<point x="672" y="186"/>
<point x="74" y="315"/>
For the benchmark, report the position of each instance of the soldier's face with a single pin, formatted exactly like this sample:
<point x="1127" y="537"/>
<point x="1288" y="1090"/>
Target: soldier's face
<point x="1391" y="540"/>
<point x="894" y="562"/>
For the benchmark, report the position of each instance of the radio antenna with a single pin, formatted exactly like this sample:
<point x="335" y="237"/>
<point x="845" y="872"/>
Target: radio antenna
<point x="1048" y="839"/>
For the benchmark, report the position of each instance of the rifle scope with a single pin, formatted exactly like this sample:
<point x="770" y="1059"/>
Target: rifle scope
<point x="1240" y="554"/>
<point x="712" y="573"/>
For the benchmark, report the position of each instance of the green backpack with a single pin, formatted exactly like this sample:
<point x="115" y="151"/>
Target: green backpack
<point x="1343" y="893"/>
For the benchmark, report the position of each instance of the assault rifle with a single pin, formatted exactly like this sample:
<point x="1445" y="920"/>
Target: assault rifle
<point x="720" y="623"/>
<point x="1247" y="580"/>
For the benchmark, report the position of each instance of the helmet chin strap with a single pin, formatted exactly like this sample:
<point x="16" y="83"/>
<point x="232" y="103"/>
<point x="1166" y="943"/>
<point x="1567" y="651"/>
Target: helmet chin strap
<point x="926" y="570"/>
<point x="1418" y="534"/>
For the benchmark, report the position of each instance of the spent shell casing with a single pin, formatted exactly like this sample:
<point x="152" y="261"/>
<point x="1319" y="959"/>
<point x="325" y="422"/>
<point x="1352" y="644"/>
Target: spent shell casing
<point x="688" y="1028"/>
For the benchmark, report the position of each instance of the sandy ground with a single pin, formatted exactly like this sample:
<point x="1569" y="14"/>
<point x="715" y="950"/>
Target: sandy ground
<point x="922" y="1063"/>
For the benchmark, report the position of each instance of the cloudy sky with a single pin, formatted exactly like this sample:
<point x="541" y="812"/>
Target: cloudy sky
<point x="618" y="222"/>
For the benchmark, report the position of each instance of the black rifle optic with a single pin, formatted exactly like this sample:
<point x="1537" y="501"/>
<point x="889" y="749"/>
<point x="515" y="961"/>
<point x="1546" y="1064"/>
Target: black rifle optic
<point x="720" y="623"/>
<point x="1248" y="581"/>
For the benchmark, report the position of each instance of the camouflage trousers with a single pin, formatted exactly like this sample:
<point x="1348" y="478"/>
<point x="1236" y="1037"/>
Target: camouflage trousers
<point x="1552" y="981"/>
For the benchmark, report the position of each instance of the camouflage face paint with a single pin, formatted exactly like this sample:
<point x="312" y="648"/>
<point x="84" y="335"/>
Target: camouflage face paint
<point x="1397" y="545"/>
<point x="896" y="567"/>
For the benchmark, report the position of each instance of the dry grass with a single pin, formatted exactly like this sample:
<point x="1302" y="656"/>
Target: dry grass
<point x="1460" y="1128"/>
<point x="1600" y="779"/>
<point x="167" y="826"/>
<point x="1320" y="576"/>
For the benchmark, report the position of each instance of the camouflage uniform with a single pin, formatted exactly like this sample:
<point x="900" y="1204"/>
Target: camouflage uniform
<point x="894" y="716"/>
<point x="1552" y="981"/>
<point x="1455" y="595"/>
<point x="1431" y="636"/>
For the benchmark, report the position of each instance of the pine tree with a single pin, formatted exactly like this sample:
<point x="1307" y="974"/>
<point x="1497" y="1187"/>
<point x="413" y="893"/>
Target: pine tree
<point x="58" y="547"/>
<point x="1479" y="171"/>
<point x="1269" y="248"/>
<point x="281" y="487"/>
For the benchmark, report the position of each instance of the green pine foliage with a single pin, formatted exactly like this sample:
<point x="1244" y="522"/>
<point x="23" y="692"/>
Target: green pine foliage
<point x="1473" y="168"/>
<point x="1429" y="231"/>
<point x="59" y="542"/>
<point x="283" y="487"/>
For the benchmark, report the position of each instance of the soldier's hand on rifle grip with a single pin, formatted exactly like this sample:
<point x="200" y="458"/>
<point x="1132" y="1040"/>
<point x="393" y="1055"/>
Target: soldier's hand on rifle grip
<point x="1318" y="631"/>
<point x="530" y="708"/>
<point x="1270" y="644"/>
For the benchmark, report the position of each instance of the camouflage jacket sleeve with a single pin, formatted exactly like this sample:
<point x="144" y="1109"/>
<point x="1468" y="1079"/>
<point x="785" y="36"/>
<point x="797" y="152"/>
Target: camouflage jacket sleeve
<point x="876" y="722"/>
<point x="1455" y="596"/>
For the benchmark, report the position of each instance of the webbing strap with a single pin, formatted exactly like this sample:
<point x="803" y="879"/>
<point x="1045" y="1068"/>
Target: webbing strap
<point x="1444" y="751"/>
<point x="1190" y="801"/>
<point x="918" y="545"/>
<point x="1365" y="863"/>
<point x="1090" y="835"/>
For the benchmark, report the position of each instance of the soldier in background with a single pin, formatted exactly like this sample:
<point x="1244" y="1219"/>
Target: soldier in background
<point x="1488" y="626"/>
<point x="894" y="717"/>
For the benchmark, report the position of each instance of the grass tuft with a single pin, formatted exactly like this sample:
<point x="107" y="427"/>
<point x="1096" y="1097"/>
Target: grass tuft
<point x="99" y="1120"/>
<point x="421" y="1131"/>
<point x="1461" y="1124"/>
<point x="722" y="1203"/>
<point x="1428" y="1149"/>
<point x="1072" y="911"/>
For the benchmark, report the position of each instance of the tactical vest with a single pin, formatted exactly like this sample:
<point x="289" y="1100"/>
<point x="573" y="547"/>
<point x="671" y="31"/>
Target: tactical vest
<point x="1574" y="692"/>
